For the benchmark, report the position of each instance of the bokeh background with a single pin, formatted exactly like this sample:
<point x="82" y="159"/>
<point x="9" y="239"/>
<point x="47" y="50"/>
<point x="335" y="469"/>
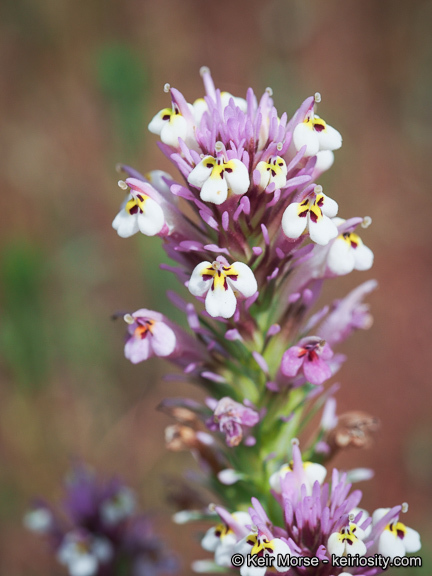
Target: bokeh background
<point x="80" y="80"/>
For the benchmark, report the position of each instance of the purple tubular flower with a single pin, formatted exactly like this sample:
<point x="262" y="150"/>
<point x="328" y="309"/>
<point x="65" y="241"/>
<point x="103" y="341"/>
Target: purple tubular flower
<point x="347" y="315"/>
<point x="99" y="529"/>
<point x="311" y="355"/>
<point x="233" y="420"/>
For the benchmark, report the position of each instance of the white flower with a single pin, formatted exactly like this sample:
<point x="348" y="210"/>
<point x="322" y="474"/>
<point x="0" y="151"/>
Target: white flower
<point x="324" y="161"/>
<point x="313" y="213"/>
<point x="119" y="507"/>
<point x="170" y="125"/>
<point x="312" y="472"/>
<point x="259" y="544"/>
<point x="82" y="554"/>
<point x="38" y="520"/>
<point x="221" y="539"/>
<point x="396" y="538"/>
<point x="348" y="541"/>
<point x="348" y="253"/>
<point x="215" y="178"/>
<point x="316" y="135"/>
<point x="275" y="170"/>
<point x="139" y="213"/>
<point x="220" y="282"/>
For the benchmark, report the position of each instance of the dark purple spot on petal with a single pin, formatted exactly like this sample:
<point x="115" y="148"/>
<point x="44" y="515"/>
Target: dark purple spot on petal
<point x="312" y="356"/>
<point x="229" y="170"/>
<point x="206" y="277"/>
<point x="313" y="217"/>
<point x="134" y="210"/>
<point x="303" y="214"/>
<point x="319" y="127"/>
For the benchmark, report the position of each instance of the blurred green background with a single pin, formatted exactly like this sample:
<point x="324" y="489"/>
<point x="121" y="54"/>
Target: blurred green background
<point x="80" y="80"/>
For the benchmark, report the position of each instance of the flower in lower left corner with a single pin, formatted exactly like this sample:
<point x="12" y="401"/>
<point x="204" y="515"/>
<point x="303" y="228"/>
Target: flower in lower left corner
<point x="82" y="553"/>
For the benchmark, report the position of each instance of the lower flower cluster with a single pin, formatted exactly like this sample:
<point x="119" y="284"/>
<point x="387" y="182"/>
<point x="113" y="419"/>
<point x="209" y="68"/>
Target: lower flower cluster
<point x="318" y="520"/>
<point x="98" y="531"/>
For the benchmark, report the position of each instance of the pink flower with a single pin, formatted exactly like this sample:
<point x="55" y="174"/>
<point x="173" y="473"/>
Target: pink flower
<point x="149" y="335"/>
<point x="232" y="418"/>
<point x="310" y="356"/>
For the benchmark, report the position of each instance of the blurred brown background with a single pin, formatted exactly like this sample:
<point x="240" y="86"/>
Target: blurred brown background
<point x="80" y="80"/>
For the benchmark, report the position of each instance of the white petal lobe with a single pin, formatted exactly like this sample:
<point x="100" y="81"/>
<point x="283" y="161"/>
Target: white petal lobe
<point x="221" y="302"/>
<point x="238" y="180"/>
<point x="292" y="225"/>
<point x="214" y="190"/>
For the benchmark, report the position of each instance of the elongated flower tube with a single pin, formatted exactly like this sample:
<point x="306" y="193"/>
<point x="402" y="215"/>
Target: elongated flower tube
<point x="297" y="474"/>
<point x="219" y="282"/>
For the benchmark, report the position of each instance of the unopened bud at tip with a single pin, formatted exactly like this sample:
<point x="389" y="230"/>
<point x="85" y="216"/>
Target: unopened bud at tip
<point x="204" y="70"/>
<point x="212" y="507"/>
<point x="129" y="319"/>
<point x="295" y="442"/>
<point x="219" y="146"/>
<point x="122" y="184"/>
<point x="318" y="189"/>
<point x="405" y="507"/>
<point x="317" y="97"/>
<point x="167" y="87"/>
<point x="351" y="517"/>
<point x="269" y="91"/>
<point x="279" y="146"/>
